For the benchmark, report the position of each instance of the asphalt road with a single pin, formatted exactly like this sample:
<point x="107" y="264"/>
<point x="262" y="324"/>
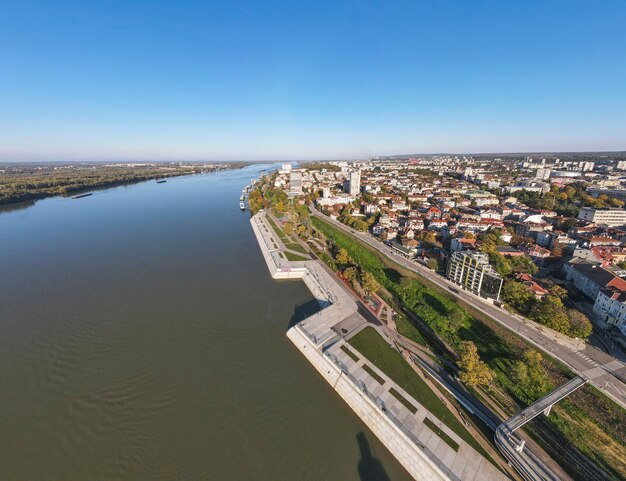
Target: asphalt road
<point x="601" y="369"/>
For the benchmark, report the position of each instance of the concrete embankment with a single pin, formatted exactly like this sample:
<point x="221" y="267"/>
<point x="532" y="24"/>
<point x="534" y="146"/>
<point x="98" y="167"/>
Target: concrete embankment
<point x="425" y="454"/>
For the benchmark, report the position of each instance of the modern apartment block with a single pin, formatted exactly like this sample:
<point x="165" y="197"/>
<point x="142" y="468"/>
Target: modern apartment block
<point x="352" y="185"/>
<point x="295" y="182"/>
<point x="610" y="217"/>
<point x="472" y="271"/>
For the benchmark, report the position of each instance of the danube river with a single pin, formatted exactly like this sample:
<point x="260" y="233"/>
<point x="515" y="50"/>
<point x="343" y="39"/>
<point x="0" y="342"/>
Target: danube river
<point x="142" y="338"/>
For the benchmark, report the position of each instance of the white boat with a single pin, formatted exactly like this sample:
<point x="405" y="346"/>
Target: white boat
<point x="242" y="198"/>
<point x="242" y="206"/>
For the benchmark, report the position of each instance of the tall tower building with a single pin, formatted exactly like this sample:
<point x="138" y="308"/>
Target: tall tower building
<point x="295" y="182"/>
<point x="354" y="183"/>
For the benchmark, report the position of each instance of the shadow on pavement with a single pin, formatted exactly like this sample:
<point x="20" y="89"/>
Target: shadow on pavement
<point x="370" y="468"/>
<point x="303" y="310"/>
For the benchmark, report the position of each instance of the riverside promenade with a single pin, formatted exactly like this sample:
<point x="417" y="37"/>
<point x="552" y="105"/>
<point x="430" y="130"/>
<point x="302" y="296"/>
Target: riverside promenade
<point x="427" y="455"/>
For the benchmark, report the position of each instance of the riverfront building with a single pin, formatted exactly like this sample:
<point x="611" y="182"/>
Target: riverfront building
<point x="472" y="271"/>
<point x="295" y="182"/>
<point x="610" y="217"/>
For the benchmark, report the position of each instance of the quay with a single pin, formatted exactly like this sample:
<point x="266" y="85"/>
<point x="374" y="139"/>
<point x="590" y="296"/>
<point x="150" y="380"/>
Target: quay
<point x="321" y="338"/>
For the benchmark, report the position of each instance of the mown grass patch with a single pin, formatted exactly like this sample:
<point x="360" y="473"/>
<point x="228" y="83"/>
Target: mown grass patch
<point x="295" y="257"/>
<point x="373" y="373"/>
<point x="350" y="354"/>
<point x="445" y="438"/>
<point x="295" y="247"/>
<point x="277" y="229"/>
<point x="369" y="343"/>
<point x="403" y="400"/>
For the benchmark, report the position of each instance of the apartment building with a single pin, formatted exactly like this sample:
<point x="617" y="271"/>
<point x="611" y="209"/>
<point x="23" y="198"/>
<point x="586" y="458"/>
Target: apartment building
<point x="472" y="271"/>
<point x="610" y="217"/>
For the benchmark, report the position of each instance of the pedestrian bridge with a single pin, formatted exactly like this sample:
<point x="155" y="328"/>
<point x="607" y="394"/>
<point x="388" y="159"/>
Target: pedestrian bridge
<point x="512" y="447"/>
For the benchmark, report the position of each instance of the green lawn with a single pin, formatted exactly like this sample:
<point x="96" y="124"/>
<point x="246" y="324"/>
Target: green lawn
<point x="295" y="247"/>
<point x="296" y="257"/>
<point x="277" y="229"/>
<point x="369" y="343"/>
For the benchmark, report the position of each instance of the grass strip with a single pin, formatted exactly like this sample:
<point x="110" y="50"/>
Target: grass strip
<point x="373" y="347"/>
<point x="403" y="400"/>
<point x="372" y="373"/>
<point x="447" y="439"/>
<point x="295" y="257"/>
<point x="295" y="247"/>
<point x="277" y="229"/>
<point x="352" y="355"/>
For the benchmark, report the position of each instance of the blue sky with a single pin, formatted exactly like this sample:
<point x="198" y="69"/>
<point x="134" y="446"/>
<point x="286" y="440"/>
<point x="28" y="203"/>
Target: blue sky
<point x="228" y="80"/>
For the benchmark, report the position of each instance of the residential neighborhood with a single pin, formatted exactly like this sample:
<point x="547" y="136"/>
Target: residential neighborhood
<point x="544" y="237"/>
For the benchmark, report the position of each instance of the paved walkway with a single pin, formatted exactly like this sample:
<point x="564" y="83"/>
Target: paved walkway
<point x="324" y="330"/>
<point x="462" y="463"/>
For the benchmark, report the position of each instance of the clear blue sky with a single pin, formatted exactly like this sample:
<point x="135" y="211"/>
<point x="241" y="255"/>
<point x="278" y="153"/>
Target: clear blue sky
<point x="298" y="80"/>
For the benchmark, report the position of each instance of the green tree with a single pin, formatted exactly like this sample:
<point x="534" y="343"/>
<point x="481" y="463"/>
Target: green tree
<point x="550" y="312"/>
<point x="352" y="275"/>
<point x="342" y="257"/>
<point x="580" y="326"/>
<point x="523" y="264"/>
<point x="432" y="264"/>
<point x="473" y="371"/>
<point x="516" y="295"/>
<point x="369" y="282"/>
<point x="529" y="374"/>
<point x="558" y="291"/>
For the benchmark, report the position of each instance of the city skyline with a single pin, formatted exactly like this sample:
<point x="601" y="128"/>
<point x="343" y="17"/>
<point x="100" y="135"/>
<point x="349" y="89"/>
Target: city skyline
<point x="278" y="81"/>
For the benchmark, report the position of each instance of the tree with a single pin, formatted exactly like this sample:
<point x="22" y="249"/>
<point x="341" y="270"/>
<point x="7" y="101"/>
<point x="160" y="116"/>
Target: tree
<point x="558" y="291"/>
<point x="432" y="264"/>
<point x="516" y="295"/>
<point x="550" y="312"/>
<point x="557" y="250"/>
<point x="580" y="326"/>
<point x="523" y="264"/>
<point x="352" y="276"/>
<point x="529" y="374"/>
<point x="369" y="283"/>
<point x="288" y="228"/>
<point x="474" y="372"/>
<point x="499" y="263"/>
<point x="342" y="257"/>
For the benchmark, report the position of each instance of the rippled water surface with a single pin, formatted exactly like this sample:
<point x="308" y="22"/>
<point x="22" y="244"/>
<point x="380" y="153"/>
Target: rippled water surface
<point x="142" y="338"/>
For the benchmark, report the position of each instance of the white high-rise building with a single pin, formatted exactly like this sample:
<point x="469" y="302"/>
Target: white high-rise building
<point x="295" y="182"/>
<point x="353" y="184"/>
<point x="286" y="167"/>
